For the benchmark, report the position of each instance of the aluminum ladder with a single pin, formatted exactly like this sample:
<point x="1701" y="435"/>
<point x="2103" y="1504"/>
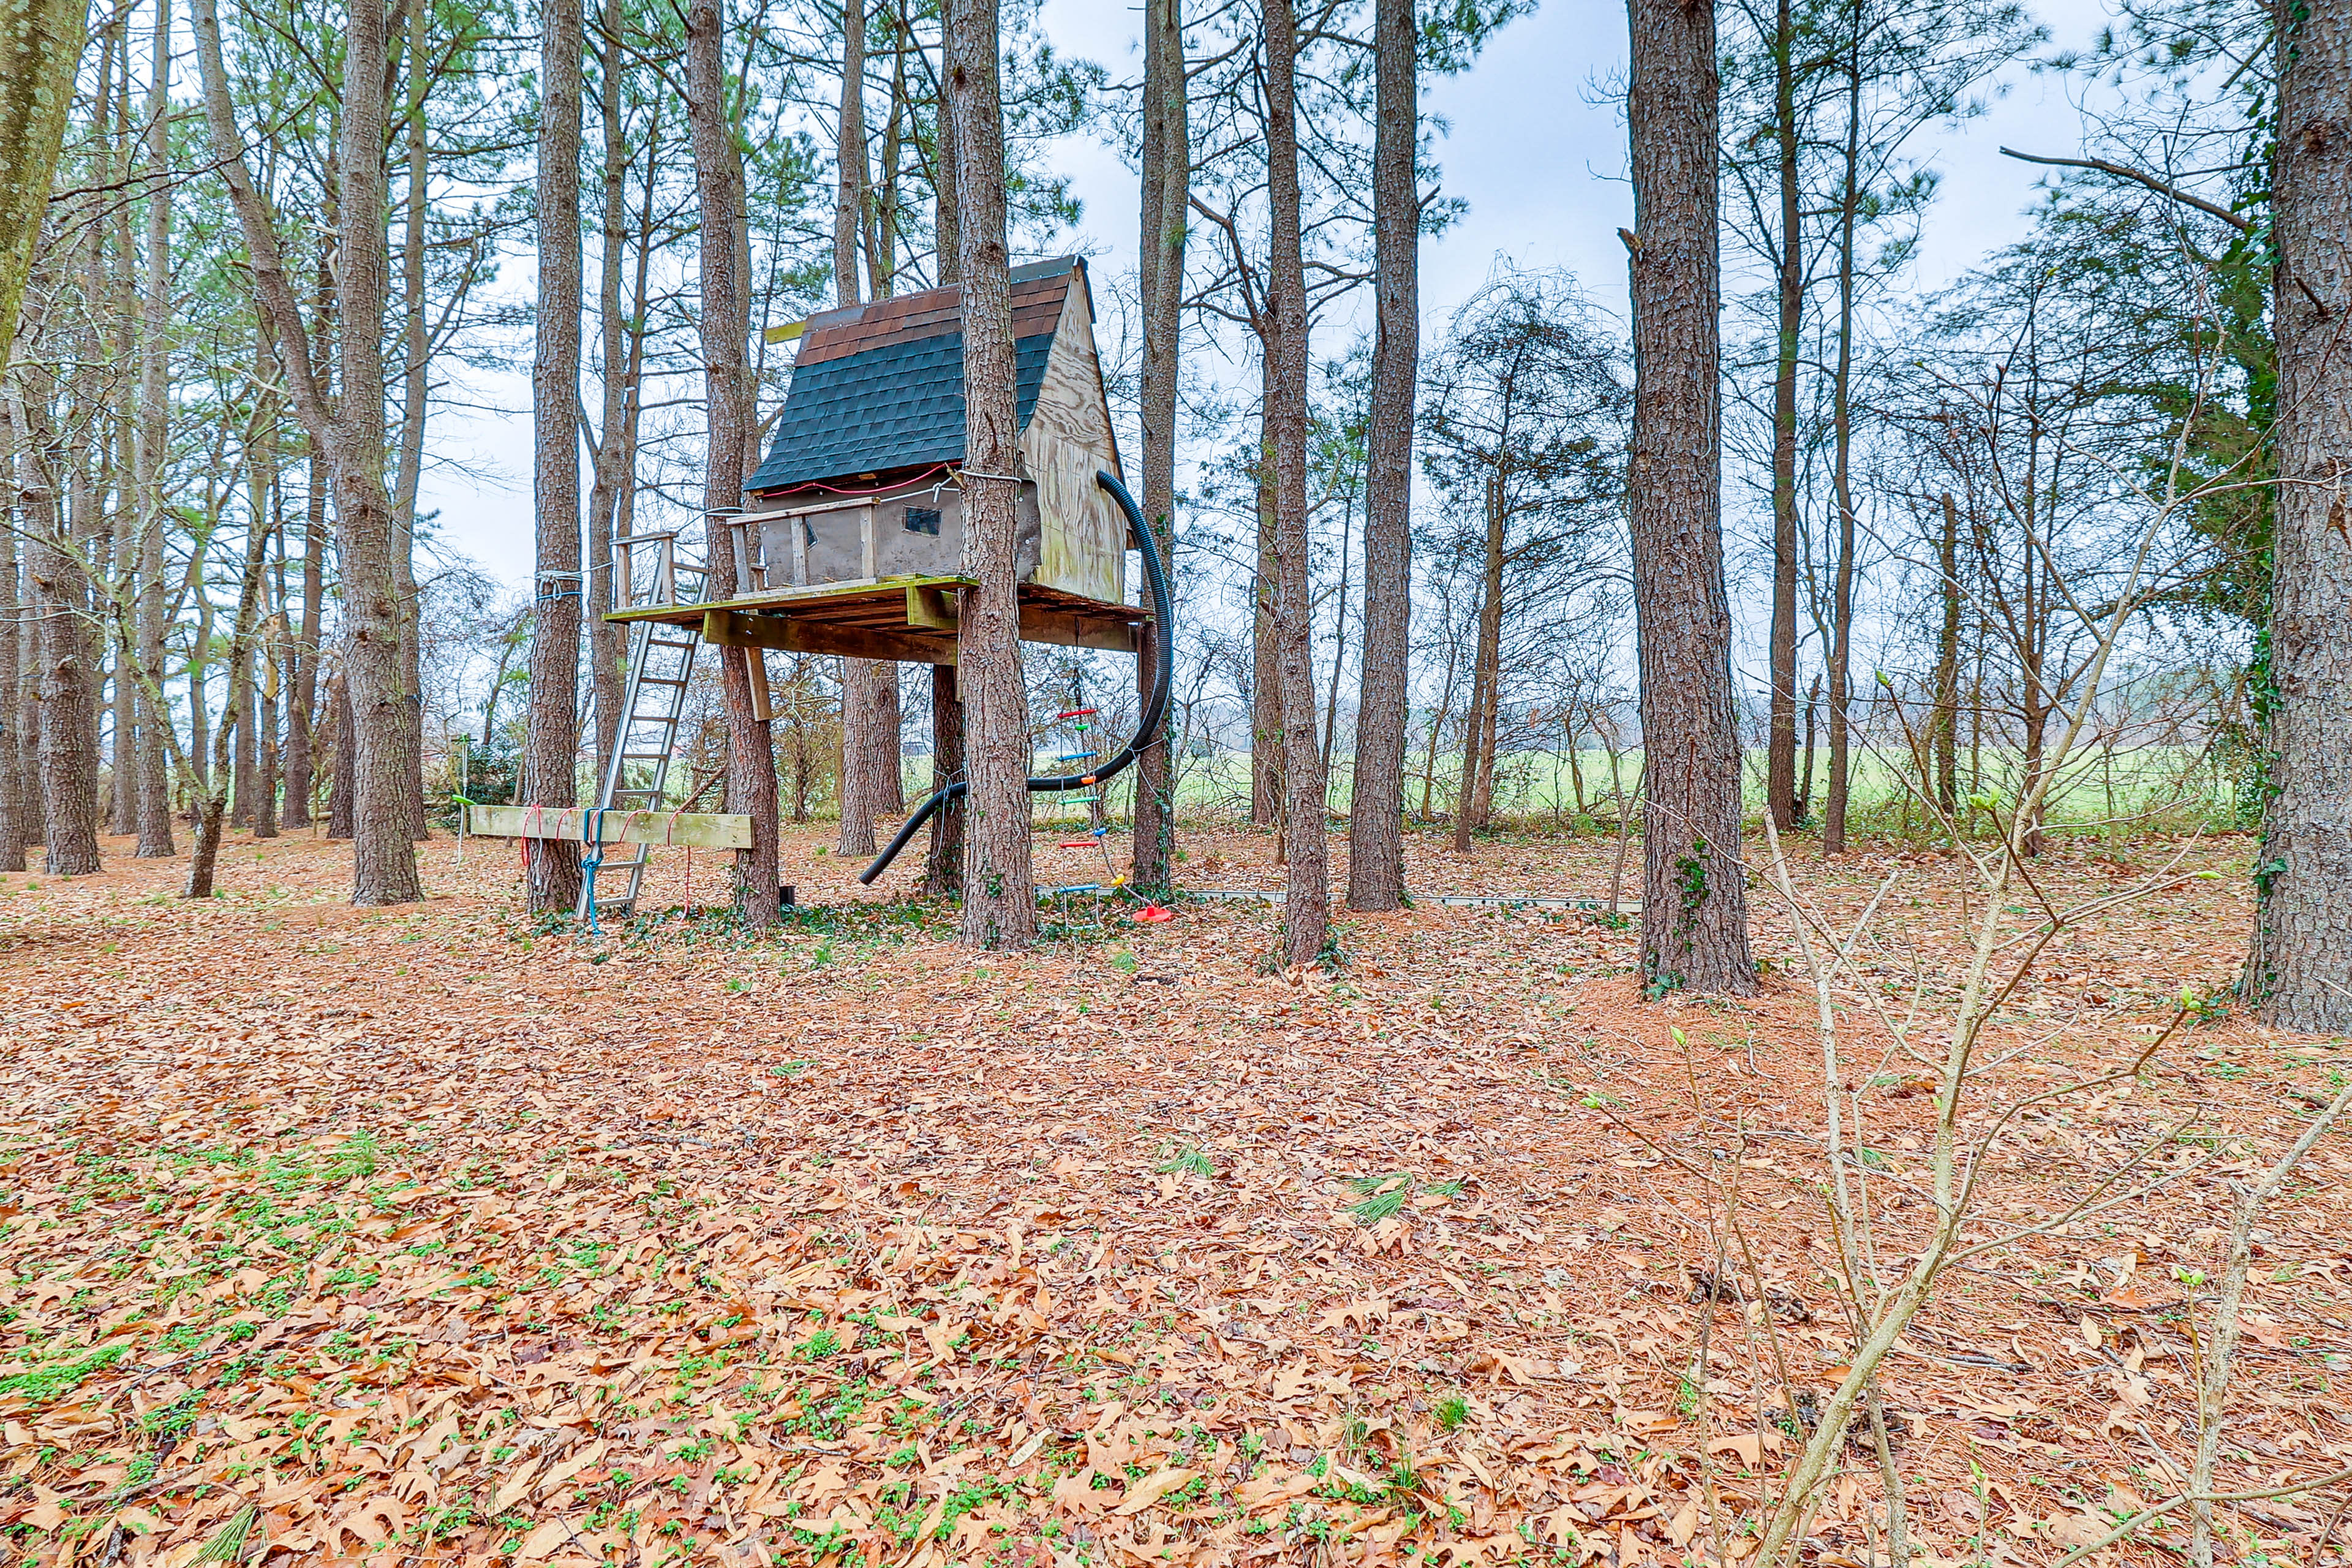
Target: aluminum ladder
<point x="653" y="707"/>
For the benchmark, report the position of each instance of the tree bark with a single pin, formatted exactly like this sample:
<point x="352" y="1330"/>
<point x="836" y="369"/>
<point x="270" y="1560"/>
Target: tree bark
<point x="386" y="766"/>
<point x="552" y="751"/>
<point x="40" y="51"/>
<point x="1476" y="806"/>
<point x="605" y="644"/>
<point x="1266" y="670"/>
<point x="68" y="676"/>
<point x="2303" y="934"/>
<point x="725" y="327"/>
<point x="1694" y="905"/>
<point x="341" y="807"/>
<point x="1946" y="721"/>
<point x="302" y="653"/>
<point x="1167" y="192"/>
<point x="212" y="805"/>
<point x="416" y="387"/>
<point x="1833" y="808"/>
<point x="1376" y="814"/>
<point x="943" y="864"/>
<point x="155" y="788"/>
<point x="1307" y="908"/>
<point x="1780" y="755"/>
<point x="1000" y="896"/>
<point x="13" y="825"/>
<point x="869" y="690"/>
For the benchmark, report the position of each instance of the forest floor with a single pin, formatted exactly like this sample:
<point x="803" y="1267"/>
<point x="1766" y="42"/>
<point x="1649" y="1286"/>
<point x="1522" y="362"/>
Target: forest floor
<point x="427" y="1234"/>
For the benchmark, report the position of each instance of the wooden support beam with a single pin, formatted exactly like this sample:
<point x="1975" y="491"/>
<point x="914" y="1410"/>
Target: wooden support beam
<point x="931" y="608"/>
<point x="1067" y="630"/>
<point x="862" y="642"/>
<point x="697" y="830"/>
<point x="733" y="628"/>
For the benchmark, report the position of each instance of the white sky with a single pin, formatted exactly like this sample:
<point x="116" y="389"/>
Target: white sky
<point x="1538" y="163"/>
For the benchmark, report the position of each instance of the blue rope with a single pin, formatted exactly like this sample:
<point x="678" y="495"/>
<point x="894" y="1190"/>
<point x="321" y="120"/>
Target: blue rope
<point x="593" y="858"/>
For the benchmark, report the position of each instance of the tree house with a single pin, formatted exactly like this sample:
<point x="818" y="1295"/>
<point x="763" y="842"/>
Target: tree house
<point x="853" y="544"/>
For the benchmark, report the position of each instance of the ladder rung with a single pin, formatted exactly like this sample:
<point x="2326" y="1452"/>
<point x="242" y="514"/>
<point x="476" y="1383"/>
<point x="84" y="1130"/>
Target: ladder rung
<point x="643" y="756"/>
<point x="665" y="681"/>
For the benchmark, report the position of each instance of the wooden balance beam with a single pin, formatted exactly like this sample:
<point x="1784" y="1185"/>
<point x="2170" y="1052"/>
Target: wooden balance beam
<point x="689" y="830"/>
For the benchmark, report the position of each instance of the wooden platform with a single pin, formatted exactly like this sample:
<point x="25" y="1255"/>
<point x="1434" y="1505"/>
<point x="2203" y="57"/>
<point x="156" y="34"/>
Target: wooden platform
<point x="911" y="620"/>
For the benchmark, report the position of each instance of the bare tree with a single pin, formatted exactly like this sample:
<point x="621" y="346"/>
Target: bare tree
<point x="1694" y="904"/>
<point x="350" y="434"/>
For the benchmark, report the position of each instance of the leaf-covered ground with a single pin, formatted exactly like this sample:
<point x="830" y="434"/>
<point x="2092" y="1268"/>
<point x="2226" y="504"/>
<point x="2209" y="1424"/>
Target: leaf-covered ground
<point x="428" y="1234"/>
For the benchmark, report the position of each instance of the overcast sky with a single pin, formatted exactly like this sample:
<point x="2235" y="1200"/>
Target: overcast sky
<point x="1540" y="162"/>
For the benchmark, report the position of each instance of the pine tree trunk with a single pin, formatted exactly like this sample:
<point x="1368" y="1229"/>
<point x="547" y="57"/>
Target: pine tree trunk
<point x="1780" y="754"/>
<point x="1947" y="717"/>
<point x="245" y="697"/>
<point x="551" y="761"/>
<point x="385" y="799"/>
<point x="200" y="746"/>
<point x="869" y="690"/>
<point x="1265" y="671"/>
<point x="343" y="810"/>
<point x="1000" y="897"/>
<point x="67" y="662"/>
<point x="385" y="765"/>
<point x="1307" y="908"/>
<point x="1478" y="735"/>
<point x="943" y="864"/>
<point x="725" y="327"/>
<point x="302" y="704"/>
<point x="1376" y="813"/>
<point x="606" y="648"/>
<point x="265" y="765"/>
<point x="40" y="51"/>
<point x="154" y="787"/>
<point x="244" y="782"/>
<point x="211" y="808"/>
<point x="858" y="680"/>
<point x="1693" y="905"/>
<point x="1834" y="808"/>
<point x="415" y="394"/>
<point x="1167" y="188"/>
<point x="2303" y="934"/>
<point x="13" y="826"/>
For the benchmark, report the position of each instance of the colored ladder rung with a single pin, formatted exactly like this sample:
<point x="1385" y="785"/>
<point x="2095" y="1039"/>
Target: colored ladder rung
<point x="1076" y="713"/>
<point x="1078" y="756"/>
<point x="1078" y="843"/>
<point x="1080" y="799"/>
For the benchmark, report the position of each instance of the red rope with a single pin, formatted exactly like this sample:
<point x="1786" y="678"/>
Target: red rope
<point x="877" y="490"/>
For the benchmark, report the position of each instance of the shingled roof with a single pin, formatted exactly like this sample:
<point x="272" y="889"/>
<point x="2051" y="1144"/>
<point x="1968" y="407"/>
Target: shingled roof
<point x="880" y="387"/>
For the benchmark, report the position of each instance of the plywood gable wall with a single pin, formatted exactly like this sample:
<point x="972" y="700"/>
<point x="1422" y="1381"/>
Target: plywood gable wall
<point x="1082" y="548"/>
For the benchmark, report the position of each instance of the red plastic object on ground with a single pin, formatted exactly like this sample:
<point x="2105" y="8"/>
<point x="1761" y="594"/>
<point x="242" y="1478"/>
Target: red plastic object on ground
<point x="1152" y="914"/>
